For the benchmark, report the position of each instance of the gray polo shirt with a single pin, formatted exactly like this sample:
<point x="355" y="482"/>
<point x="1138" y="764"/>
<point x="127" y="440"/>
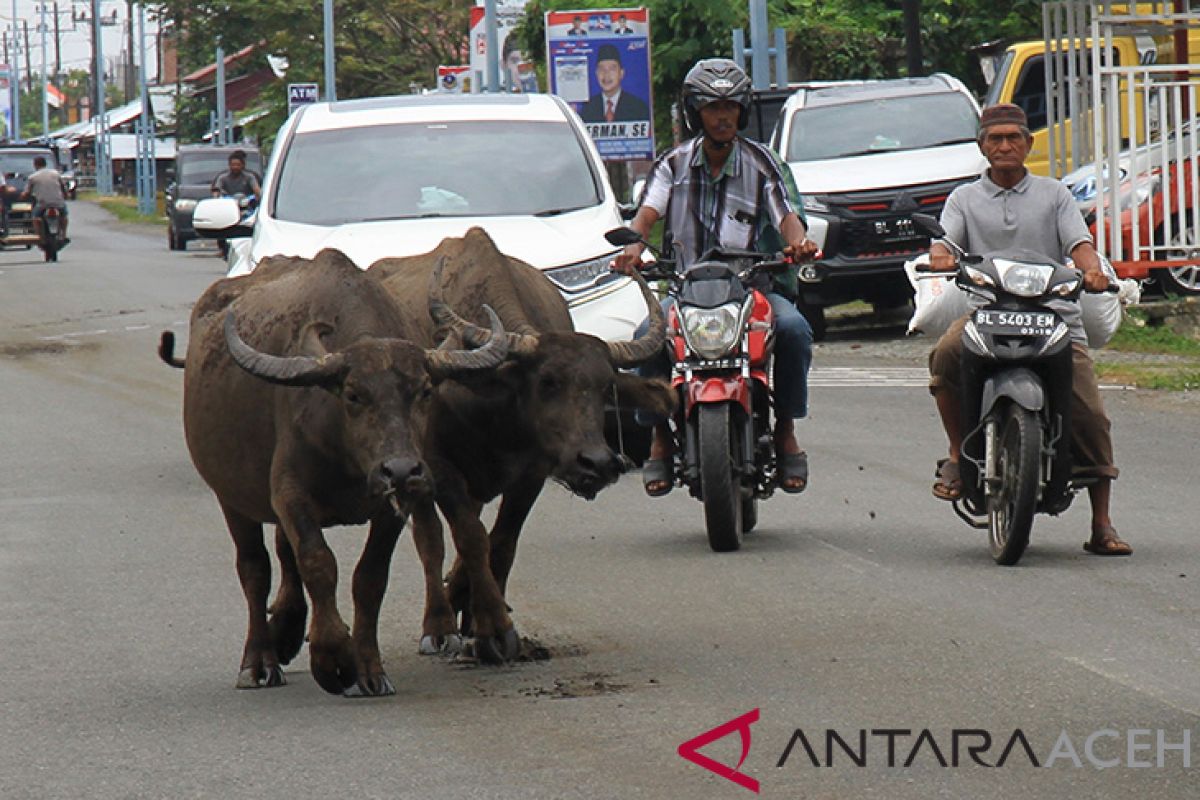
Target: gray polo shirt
<point x="1037" y="214"/>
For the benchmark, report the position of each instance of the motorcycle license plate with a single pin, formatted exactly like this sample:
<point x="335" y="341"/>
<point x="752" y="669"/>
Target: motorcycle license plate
<point x="1015" y="323"/>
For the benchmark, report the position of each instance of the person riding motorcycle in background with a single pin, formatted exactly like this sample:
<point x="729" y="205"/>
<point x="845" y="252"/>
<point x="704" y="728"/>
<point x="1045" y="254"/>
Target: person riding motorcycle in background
<point x="1008" y="208"/>
<point x="236" y="180"/>
<point x="720" y="190"/>
<point x="45" y="186"/>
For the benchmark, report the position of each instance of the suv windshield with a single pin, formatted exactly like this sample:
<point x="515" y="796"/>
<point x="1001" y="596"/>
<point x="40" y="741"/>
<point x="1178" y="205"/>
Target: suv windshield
<point x="443" y="169"/>
<point x="204" y="167"/>
<point x="881" y="125"/>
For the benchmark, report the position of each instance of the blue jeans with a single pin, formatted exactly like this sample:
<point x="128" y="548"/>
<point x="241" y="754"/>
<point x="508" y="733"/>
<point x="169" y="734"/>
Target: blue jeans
<point x="793" y="357"/>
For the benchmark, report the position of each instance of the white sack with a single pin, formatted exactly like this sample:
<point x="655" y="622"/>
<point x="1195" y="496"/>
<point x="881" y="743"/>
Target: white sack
<point x="1102" y="312"/>
<point x="937" y="300"/>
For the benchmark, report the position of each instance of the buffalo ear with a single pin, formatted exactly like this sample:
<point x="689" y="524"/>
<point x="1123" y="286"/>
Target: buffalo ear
<point x="647" y="394"/>
<point x="314" y="339"/>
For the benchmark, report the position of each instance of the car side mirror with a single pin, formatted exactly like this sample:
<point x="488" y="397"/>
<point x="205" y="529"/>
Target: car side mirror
<point x="219" y="218"/>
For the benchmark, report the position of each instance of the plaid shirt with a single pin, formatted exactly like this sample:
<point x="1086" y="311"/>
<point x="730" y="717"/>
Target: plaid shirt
<point x="741" y="208"/>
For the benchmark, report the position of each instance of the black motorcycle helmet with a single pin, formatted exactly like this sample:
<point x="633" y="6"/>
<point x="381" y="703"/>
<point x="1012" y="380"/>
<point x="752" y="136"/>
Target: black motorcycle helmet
<point x="710" y="80"/>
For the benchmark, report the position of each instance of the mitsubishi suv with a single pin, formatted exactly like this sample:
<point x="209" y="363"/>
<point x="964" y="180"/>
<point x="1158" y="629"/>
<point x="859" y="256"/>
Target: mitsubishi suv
<point x="394" y="176"/>
<point x="865" y="156"/>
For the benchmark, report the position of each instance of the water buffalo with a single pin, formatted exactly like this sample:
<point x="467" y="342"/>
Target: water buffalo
<point x="539" y="416"/>
<point x="305" y="405"/>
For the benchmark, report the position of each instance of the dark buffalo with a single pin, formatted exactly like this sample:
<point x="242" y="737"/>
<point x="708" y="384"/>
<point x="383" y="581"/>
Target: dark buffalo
<point x="539" y="416"/>
<point x="305" y="405"/>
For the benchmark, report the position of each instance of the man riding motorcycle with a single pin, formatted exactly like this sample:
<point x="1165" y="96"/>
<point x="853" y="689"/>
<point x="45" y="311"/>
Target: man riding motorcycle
<point x="45" y="186"/>
<point x="1008" y="208"/>
<point x="719" y="190"/>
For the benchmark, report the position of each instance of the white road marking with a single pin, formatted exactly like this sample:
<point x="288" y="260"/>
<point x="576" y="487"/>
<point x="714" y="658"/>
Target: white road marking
<point x="858" y="377"/>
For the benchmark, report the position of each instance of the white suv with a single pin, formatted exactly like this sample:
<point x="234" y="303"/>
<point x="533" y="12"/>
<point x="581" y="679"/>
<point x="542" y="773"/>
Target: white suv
<point x="394" y="176"/>
<point x="866" y="155"/>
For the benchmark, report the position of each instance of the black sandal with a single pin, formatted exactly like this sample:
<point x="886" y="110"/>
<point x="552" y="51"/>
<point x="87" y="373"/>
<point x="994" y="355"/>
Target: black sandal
<point x="791" y="466"/>
<point x="658" y="470"/>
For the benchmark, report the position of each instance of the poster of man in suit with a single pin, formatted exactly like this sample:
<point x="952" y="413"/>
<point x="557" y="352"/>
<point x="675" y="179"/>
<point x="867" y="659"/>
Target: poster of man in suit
<point x="606" y="77"/>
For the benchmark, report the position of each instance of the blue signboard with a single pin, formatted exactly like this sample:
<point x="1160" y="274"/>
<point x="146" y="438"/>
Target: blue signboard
<point x="599" y="61"/>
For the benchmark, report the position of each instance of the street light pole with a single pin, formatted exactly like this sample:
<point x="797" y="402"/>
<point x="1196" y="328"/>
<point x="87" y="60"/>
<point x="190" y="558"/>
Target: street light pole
<point x="104" y="177"/>
<point x="15" y="133"/>
<point x="45" y="78"/>
<point x="330" y="55"/>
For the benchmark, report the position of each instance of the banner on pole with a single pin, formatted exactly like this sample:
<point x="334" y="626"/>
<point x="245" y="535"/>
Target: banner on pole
<point x="6" y="100"/>
<point x="516" y="73"/>
<point x="599" y="61"/>
<point x="302" y="94"/>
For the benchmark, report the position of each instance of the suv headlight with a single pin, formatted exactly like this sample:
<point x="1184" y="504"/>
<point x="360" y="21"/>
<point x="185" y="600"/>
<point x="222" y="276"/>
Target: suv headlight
<point x="185" y="205"/>
<point x="712" y="332"/>
<point x="813" y="204"/>
<point x="1024" y="280"/>
<point x="584" y="275"/>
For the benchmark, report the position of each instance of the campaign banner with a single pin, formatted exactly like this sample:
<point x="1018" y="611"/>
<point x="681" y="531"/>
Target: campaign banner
<point x="599" y="61"/>
<point x="454" y="79"/>
<point x="6" y="101"/>
<point x="516" y="72"/>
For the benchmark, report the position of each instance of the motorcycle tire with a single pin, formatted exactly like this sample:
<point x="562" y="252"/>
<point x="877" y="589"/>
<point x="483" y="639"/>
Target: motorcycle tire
<point x="719" y="484"/>
<point x="749" y="514"/>
<point x="1011" y="511"/>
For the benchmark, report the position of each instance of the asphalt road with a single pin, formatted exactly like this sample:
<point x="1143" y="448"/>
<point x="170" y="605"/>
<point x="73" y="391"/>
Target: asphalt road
<point x="862" y="605"/>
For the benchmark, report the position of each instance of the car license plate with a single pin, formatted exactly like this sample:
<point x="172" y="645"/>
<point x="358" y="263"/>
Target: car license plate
<point x="896" y="230"/>
<point x="1016" y="323"/>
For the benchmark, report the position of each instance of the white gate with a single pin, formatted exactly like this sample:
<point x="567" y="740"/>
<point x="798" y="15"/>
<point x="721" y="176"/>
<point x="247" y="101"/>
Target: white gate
<point x="1136" y="124"/>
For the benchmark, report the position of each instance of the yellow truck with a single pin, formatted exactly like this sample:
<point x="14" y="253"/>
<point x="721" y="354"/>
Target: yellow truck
<point x="1020" y="78"/>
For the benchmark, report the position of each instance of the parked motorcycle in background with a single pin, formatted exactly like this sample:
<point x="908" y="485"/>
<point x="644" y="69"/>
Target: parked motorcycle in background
<point x="1016" y="392"/>
<point x="720" y="335"/>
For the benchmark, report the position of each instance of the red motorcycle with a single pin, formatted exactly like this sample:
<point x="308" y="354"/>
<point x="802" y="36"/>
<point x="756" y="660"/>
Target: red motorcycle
<point x="720" y="333"/>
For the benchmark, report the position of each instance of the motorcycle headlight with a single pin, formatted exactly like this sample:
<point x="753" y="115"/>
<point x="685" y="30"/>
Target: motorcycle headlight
<point x="581" y="276"/>
<point x="185" y="205"/>
<point x="712" y="332"/>
<point x="1023" y="280"/>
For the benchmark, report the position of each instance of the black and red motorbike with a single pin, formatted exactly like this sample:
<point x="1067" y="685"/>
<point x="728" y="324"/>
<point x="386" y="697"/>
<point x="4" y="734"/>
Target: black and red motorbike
<point x="720" y="335"/>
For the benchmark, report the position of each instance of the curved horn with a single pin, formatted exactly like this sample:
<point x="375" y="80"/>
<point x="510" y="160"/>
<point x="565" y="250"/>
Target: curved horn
<point x="449" y="362"/>
<point x="518" y="343"/>
<point x="630" y="354"/>
<point x="287" y="371"/>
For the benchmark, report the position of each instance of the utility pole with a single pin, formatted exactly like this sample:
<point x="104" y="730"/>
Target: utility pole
<point x="330" y="56"/>
<point x="912" y="37"/>
<point x="28" y="69"/>
<point x="147" y="180"/>
<point x="130" y="77"/>
<point x="57" y="43"/>
<point x="491" y="39"/>
<point x="104" y="177"/>
<point x="15" y="133"/>
<point x="45" y="78"/>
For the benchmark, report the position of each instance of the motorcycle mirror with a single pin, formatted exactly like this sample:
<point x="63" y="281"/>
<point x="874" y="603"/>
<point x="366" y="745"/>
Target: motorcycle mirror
<point x="928" y="224"/>
<point x="622" y="237"/>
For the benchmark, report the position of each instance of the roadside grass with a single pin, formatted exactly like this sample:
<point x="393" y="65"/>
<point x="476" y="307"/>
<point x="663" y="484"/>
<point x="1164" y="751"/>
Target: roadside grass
<point x="1181" y="373"/>
<point x="125" y="208"/>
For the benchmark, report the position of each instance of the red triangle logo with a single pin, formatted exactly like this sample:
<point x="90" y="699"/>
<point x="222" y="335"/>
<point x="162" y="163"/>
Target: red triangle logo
<point x="690" y="750"/>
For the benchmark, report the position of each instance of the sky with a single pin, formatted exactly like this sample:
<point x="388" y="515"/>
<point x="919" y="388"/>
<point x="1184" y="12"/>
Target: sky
<point x="75" y="37"/>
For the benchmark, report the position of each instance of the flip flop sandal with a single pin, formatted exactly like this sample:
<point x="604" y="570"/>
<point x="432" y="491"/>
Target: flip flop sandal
<point x="793" y="465"/>
<point x="949" y="483"/>
<point x="1110" y="545"/>
<point x="658" y="470"/>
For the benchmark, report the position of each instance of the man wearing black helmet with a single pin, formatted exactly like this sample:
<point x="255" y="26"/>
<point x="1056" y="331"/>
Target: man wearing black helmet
<point x="721" y="190"/>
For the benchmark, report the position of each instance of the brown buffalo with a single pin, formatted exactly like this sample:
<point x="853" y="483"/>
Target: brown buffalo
<point x="539" y="416"/>
<point x="305" y="405"/>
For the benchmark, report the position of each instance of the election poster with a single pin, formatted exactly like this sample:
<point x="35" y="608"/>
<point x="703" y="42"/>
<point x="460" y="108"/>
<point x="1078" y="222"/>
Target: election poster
<point x="6" y="100"/>
<point x="516" y="73"/>
<point x="599" y="61"/>
<point x="454" y="79"/>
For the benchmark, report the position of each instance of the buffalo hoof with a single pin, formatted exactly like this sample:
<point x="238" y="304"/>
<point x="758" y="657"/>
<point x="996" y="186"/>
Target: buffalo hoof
<point x="499" y="649"/>
<point x="287" y="632"/>
<point x="255" y="678"/>
<point x="375" y="686"/>
<point x="334" y="672"/>
<point x="449" y="645"/>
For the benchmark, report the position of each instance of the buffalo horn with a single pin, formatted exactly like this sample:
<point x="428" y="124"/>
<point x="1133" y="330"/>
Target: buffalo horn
<point x="494" y="351"/>
<point x="518" y="343"/>
<point x="630" y="354"/>
<point x="288" y="371"/>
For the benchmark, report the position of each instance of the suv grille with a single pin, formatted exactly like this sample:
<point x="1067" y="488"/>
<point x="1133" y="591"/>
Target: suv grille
<point x="879" y="224"/>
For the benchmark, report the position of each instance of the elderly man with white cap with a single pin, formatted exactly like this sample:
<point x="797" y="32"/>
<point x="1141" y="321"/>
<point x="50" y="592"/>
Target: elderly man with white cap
<point x="1008" y="208"/>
